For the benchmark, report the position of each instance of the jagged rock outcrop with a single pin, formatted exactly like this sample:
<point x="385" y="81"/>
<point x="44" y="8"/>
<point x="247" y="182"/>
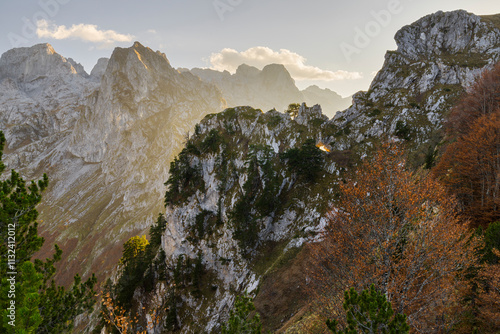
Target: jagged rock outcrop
<point x="40" y="96"/>
<point x="436" y="60"/>
<point x="78" y="67"/>
<point x="106" y="143"/>
<point x="269" y="88"/>
<point x="433" y="37"/>
<point x="99" y="69"/>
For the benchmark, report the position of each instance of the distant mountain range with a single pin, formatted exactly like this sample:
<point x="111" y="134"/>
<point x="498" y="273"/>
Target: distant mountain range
<point x="269" y="88"/>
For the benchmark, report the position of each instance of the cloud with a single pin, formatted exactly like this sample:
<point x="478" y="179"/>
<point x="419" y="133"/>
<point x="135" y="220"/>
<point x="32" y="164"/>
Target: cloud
<point x="85" y="32"/>
<point x="230" y="59"/>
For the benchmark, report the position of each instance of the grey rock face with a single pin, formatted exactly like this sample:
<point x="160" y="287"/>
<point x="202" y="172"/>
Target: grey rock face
<point x="99" y="69"/>
<point x="220" y="250"/>
<point x="41" y="93"/>
<point x="78" y="68"/>
<point x="442" y="33"/>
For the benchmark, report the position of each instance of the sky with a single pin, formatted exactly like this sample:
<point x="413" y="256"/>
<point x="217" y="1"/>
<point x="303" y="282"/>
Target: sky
<point x="338" y="45"/>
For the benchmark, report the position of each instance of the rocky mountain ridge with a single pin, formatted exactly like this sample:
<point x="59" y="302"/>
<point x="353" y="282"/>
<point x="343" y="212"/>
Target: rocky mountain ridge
<point x="437" y="59"/>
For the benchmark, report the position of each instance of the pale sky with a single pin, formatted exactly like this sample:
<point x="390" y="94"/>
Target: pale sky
<point x="314" y="39"/>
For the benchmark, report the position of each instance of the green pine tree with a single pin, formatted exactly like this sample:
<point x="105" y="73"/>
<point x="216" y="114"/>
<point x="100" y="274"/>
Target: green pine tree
<point x="369" y="312"/>
<point x="40" y="305"/>
<point x="305" y="161"/>
<point x="240" y="321"/>
<point x="28" y="315"/>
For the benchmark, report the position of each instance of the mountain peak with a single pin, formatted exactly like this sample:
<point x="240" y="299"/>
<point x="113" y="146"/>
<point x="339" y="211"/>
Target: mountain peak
<point x="276" y="76"/>
<point x="44" y="46"/>
<point x="99" y="68"/>
<point x="28" y="64"/>
<point x="446" y="33"/>
<point x="275" y="69"/>
<point x="247" y="70"/>
<point x="137" y="83"/>
<point x="124" y="59"/>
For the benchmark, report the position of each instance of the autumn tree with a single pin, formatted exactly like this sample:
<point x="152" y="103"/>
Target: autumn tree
<point x="487" y="282"/>
<point x="399" y="230"/>
<point x="293" y="109"/>
<point x="470" y="169"/>
<point x="470" y="165"/>
<point x="117" y="319"/>
<point x="489" y="297"/>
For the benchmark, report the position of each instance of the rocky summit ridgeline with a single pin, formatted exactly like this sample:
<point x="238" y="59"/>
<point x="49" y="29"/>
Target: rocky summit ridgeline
<point x="437" y="59"/>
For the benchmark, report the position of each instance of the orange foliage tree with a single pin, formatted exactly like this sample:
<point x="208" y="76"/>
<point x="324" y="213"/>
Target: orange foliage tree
<point x="116" y="318"/>
<point x="470" y="169"/>
<point x="398" y="230"/>
<point x="489" y="298"/>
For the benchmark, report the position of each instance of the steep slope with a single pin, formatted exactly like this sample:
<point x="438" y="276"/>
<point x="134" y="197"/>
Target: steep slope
<point x="273" y="87"/>
<point x="105" y="143"/>
<point x="240" y="203"/>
